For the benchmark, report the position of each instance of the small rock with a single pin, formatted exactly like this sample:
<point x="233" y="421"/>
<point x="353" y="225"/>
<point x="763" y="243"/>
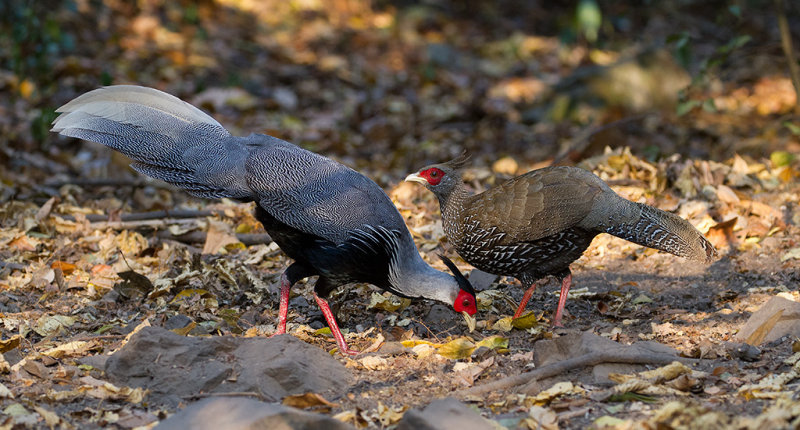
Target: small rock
<point x="576" y="344"/>
<point x="177" y="321"/>
<point x="243" y="413"/>
<point x="481" y="280"/>
<point x="174" y="367"/>
<point x="444" y="414"/>
<point x="788" y="323"/>
<point x="285" y="98"/>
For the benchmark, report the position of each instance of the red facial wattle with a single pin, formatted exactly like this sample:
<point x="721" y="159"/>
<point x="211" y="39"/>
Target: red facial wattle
<point x="465" y="302"/>
<point x="432" y="175"/>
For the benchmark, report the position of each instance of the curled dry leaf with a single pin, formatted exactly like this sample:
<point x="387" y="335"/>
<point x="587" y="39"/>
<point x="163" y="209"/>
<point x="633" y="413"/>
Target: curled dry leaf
<point x="70" y="349"/>
<point x="466" y="373"/>
<point x="661" y="374"/>
<point x="308" y="400"/>
<point x="558" y="389"/>
<point x="387" y="302"/>
<point x="218" y="237"/>
<point x="721" y="235"/>
<point x="10" y="343"/>
<point x="373" y="362"/>
<point x="5" y="393"/>
<point x="541" y="418"/>
<point x="53" y="325"/>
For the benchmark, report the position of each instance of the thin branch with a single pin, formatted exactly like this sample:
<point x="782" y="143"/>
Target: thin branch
<point x="232" y="394"/>
<point x="102" y="182"/>
<point x="786" y="43"/>
<point x="141" y="216"/>
<point x="12" y="266"/>
<point x="247" y="239"/>
<point x="586" y="360"/>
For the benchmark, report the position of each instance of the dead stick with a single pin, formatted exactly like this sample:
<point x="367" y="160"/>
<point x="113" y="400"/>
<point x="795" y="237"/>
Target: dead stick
<point x="786" y="43"/>
<point x="232" y="394"/>
<point x="142" y="216"/>
<point x="247" y="239"/>
<point x="131" y="225"/>
<point x="586" y="360"/>
<point x="103" y="182"/>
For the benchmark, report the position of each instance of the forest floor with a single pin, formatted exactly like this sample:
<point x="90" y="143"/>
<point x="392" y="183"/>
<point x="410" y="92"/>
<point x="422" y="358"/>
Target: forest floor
<point x="386" y="91"/>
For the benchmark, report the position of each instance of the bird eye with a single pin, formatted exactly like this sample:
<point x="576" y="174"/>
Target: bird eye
<point x="434" y="173"/>
<point x="466" y="303"/>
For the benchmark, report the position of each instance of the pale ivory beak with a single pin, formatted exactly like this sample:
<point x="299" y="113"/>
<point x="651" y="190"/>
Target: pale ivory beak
<point x="470" y="320"/>
<point x="415" y="178"/>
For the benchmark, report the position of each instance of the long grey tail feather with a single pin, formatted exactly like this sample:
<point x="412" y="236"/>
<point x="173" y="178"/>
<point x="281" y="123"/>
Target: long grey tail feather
<point x="667" y="232"/>
<point x="167" y="138"/>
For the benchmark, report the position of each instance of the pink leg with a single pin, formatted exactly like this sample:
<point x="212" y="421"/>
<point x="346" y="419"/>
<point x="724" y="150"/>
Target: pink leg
<point x="562" y="299"/>
<point x="524" y="302"/>
<point x="283" y="311"/>
<point x="337" y="334"/>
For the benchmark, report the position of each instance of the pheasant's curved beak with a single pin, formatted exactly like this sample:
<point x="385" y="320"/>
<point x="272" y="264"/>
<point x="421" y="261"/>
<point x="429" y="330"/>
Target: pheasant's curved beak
<point x="415" y="177"/>
<point x="470" y="320"/>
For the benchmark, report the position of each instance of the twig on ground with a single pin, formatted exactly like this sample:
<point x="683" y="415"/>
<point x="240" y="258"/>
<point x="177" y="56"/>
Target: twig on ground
<point x="152" y="215"/>
<point x="586" y="360"/>
<point x="12" y="266"/>
<point x="231" y="394"/>
<point x="788" y="50"/>
<point x="247" y="239"/>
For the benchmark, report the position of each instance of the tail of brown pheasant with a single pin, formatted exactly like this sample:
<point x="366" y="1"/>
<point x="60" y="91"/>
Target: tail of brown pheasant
<point x="665" y="231"/>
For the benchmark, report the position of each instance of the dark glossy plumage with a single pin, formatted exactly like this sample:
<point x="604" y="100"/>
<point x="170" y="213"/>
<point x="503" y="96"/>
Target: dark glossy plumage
<point x="333" y="221"/>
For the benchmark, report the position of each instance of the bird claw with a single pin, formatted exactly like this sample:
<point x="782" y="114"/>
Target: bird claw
<point x="349" y="352"/>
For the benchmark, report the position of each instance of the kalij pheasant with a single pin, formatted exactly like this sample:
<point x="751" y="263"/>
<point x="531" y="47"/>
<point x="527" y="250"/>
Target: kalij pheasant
<point x="333" y="221"/>
<point x="536" y="224"/>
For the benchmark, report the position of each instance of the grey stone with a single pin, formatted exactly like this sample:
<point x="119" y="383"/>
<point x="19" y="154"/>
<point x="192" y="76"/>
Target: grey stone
<point x="175" y="367"/>
<point x="444" y="414"/>
<point x="787" y="324"/>
<point x="481" y="280"/>
<point x="229" y="413"/>
<point x="576" y="344"/>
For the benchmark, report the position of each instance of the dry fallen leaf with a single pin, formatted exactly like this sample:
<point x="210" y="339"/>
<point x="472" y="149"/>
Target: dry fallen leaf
<point x="69" y="349"/>
<point x="721" y="235"/>
<point x="219" y="235"/>
<point x="308" y="400"/>
<point x="373" y="362"/>
<point x="541" y="418"/>
<point x="53" y="325"/>
<point x="9" y="344"/>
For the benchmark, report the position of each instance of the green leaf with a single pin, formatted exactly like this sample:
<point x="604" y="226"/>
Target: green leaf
<point x="686" y="107"/>
<point x="792" y="127"/>
<point x="589" y="19"/>
<point x="325" y="331"/>
<point x="493" y="342"/>
<point x="781" y="158"/>
<point x="525" y="321"/>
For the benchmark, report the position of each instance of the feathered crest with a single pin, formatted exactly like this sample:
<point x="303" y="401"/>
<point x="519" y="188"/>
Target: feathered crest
<point x="462" y="281"/>
<point x="459" y="162"/>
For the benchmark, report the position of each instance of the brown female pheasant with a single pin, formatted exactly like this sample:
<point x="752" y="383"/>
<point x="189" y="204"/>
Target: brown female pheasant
<point x="536" y="224"/>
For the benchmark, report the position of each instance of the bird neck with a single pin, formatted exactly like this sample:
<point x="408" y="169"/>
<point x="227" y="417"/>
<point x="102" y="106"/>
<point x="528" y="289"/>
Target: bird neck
<point x="452" y="205"/>
<point x="411" y="276"/>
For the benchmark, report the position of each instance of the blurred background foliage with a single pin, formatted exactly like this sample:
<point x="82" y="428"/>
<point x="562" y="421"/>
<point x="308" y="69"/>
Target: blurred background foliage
<point x="386" y="86"/>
